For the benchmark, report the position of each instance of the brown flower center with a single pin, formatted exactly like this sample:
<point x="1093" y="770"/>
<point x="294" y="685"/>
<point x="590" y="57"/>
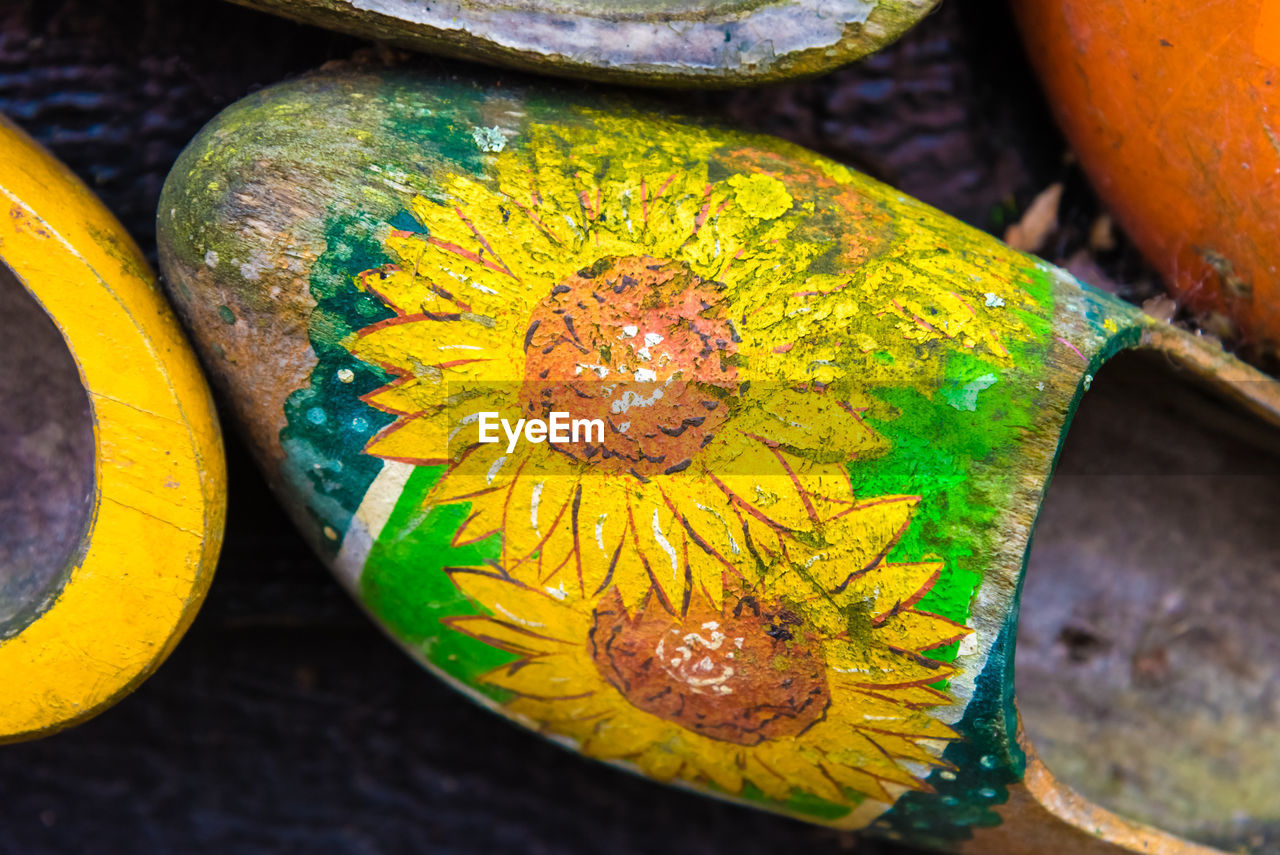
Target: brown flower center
<point x="641" y="344"/>
<point x="749" y="674"/>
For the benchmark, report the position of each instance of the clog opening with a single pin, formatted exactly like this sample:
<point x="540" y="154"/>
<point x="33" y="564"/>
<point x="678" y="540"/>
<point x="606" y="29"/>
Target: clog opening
<point x="46" y="459"/>
<point x="1148" y="655"/>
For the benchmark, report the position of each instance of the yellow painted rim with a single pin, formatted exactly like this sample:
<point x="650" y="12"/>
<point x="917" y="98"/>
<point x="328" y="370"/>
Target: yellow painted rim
<point x="159" y="478"/>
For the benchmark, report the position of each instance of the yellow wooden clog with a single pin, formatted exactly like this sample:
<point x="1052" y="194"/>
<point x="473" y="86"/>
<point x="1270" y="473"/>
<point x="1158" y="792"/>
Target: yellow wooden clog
<point x="106" y="554"/>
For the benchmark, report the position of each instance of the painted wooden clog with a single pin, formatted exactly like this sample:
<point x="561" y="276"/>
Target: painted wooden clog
<point x="651" y="42"/>
<point x="113" y="490"/>
<point x="1174" y="111"/>
<point x="697" y="452"/>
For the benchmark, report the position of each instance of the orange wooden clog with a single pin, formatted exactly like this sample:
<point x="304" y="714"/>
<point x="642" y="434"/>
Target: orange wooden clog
<point x="1174" y="111"/>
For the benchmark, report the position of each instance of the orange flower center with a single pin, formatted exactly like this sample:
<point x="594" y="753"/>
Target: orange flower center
<point x="642" y="345"/>
<point x="744" y="676"/>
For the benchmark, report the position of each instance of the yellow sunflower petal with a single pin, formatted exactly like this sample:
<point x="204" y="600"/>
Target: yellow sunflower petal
<point x="808" y="423"/>
<point x="859" y="538"/>
<point x="660" y="539"/>
<point x="715" y="529"/>
<point x="423" y="440"/>
<point x="760" y="479"/>
<point x="409" y="396"/>
<point x="914" y="630"/>
<point x="477" y="526"/>
<point x="466" y="347"/>
<point x="602" y="529"/>
<point x="858" y="751"/>
<point x="539" y="501"/>
<point x="873" y="665"/>
<point x="670" y="204"/>
<point x="625" y="735"/>
<point x="713" y="247"/>
<point x="507" y="636"/>
<point x="915" y="697"/>
<point x="613" y="551"/>
<point x="887" y="588"/>
<point x="769" y="782"/>
<point x="558" y="562"/>
<point x="769" y="255"/>
<point x="722" y="767"/>
<point x="488" y="508"/>
<point x="573" y="716"/>
<point x="406" y="292"/>
<point x="407" y="247"/>
<point x="522" y="606"/>
<point x="800" y="767"/>
<point x="659" y="763"/>
<point x="875" y="713"/>
<point x="706" y="573"/>
<point x="538" y="678"/>
<point x="631" y="574"/>
<point x="913" y="725"/>
<point x="907" y="749"/>
<point x="480" y="469"/>
<point x="763" y="537"/>
<point x="466" y="256"/>
<point x="519" y="189"/>
<point x="857" y="780"/>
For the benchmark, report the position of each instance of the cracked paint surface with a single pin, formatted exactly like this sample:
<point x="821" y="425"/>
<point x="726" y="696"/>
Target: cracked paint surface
<point x="687" y="296"/>
<point x="860" y="400"/>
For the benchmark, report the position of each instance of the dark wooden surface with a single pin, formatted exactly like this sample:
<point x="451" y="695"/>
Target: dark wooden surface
<point x="285" y="722"/>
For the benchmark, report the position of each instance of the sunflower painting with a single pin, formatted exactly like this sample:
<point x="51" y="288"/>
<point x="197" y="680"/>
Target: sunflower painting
<point x="696" y="591"/>
<point x="691" y="450"/>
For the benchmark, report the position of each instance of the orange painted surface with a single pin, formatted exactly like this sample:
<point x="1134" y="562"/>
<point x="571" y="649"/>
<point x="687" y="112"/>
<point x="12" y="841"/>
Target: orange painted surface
<point x="1174" y="111"/>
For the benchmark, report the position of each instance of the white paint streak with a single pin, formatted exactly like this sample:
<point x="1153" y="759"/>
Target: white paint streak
<point x="493" y="469"/>
<point x="534" y="500"/>
<point x="600" y="533"/>
<point x="664" y="544"/>
<point x="375" y="508"/>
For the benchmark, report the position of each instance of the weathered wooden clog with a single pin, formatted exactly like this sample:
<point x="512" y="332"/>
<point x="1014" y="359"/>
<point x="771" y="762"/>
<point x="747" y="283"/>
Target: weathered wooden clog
<point x="651" y="42"/>
<point x="112" y="482"/>
<point x="1174" y="111"/>
<point x="693" y="450"/>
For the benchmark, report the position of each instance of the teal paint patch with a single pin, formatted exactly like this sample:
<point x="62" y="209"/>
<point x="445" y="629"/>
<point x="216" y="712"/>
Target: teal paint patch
<point x="406" y="222"/>
<point x="327" y="423"/>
